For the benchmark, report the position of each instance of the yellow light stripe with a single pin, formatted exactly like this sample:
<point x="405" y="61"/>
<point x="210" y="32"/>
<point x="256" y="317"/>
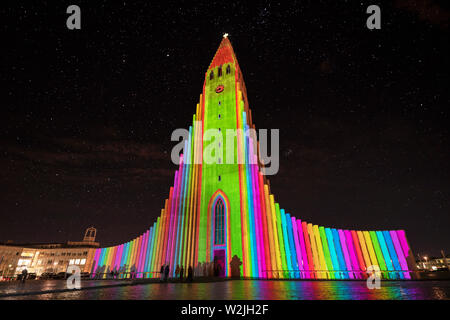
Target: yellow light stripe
<point x="323" y="265"/>
<point x="275" y="233"/>
<point x="313" y="248"/>
<point x="362" y="244"/>
<point x="273" y="258"/>
<point x="373" y="256"/>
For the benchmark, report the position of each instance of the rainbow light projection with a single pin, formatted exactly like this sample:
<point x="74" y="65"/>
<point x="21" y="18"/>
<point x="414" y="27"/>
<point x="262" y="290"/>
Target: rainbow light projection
<point x="235" y="201"/>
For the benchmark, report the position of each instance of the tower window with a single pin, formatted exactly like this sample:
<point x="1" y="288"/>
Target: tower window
<point x="220" y="178"/>
<point x="219" y="72"/>
<point x="219" y="222"/>
<point x="228" y="69"/>
<point x="219" y="88"/>
<point x="219" y="102"/>
<point x="220" y="116"/>
<point x="211" y="75"/>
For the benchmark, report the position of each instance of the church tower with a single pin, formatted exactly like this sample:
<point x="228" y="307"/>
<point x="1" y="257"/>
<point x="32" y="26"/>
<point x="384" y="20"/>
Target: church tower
<point x="221" y="210"/>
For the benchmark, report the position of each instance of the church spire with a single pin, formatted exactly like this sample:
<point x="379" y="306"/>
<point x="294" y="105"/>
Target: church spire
<point x="224" y="54"/>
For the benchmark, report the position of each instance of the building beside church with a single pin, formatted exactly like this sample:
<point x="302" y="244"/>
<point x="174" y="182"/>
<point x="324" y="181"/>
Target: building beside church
<point x="225" y="209"/>
<point x="39" y="258"/>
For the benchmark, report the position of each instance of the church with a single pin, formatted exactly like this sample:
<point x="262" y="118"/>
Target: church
<point x="223" y="211"/>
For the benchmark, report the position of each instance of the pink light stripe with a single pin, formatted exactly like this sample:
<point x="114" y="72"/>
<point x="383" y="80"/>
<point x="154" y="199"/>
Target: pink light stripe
<point x="143" y="253"/>
<point x="346" y="254"/>
<point x="117" y="258"/>
<point x="170" y="226"/>
<point x="298" y="248"/>
<point x="404" y="244"/>
<point x="400" y="255"/>
<point x="96" y="257"/>
<point x="139" y="253"/>
<point x="256" y="209"/>
<point x="352" y="252"/>
<point x="179" y="212"/>
<point x="303" y="247"/>
<point x="262" y="251"/>
<point x="175" y="211"/>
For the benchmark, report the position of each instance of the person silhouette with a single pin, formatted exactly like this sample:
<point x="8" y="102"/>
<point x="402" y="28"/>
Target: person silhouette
<point x="161" y="273"/>
<point x="166" y="273"/>
<point x="181" y="273"/>
<point x="235" y="266"/>
<point x="219" y="269"/>
<point x="24" y="275"/>
<point x="133" y="272"/>
<point x="189" y="277"/>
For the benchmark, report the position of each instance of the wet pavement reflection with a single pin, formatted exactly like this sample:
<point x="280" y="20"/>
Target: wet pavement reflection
<point x="232" y="290"/>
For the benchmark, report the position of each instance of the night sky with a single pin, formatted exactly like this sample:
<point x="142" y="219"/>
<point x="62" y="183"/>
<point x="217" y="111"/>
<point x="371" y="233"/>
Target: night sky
<point x="86" y="115"/>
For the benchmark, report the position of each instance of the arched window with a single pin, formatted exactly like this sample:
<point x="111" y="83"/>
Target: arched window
<point x="220" y="72"/>
<point x="211" y="75"/>
<point x="219" y="222"/>
<point x="228" y="69"/>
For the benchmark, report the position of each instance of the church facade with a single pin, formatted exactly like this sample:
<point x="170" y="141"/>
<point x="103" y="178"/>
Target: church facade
<point x="225" y="210"/>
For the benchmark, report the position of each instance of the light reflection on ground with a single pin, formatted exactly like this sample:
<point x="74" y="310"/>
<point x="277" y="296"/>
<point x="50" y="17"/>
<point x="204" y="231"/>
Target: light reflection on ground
<point x="236" y="289"/>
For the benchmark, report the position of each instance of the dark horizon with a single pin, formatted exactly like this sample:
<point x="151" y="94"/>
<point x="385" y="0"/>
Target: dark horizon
<point x="363" y="115"/>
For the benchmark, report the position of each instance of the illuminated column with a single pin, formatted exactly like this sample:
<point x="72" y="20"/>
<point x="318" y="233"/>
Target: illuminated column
<point x="321" y="256"/>
<point x="270" y="233"/>
<point x="378" y="252"/>
<point x="153" y="265"/>
<point x="144" y="254"/>
<point x="340" y="255"/>
<point x="326" y="252"/>
<point x="265" y="228"/>
<point x="392" y="253"/>
<point x="298" y="248"/>
<point x="409" y="257"/>
<point x="365" y="254"/>
<point x="315" y="255"/>
<point x="345" y="251"/>
<point x="387" y="258"/>
<point x="250" y="205"/>
<point x="280" y="238"/>
<point x="182" y="205"/>
<point x="124" y="255"/>
<point x="116" y="261"/>
<point x="400" y="254"/>
<point x="333" y="253"/>
<point x="309" y="252"/>
<point x="199" y="188"/>
<point x="276" y="237"/>
<point x="370" y="248"/>
<point x="168" y="234"/>
<point x="304" y="262"/>
<point x="147" y="260"/>
<point x="256" y="208"/>
<point x="359" y="253"/>
<point x="352" y="252"/>
<point x="172" y="225"/>
<point x="287" y="251"/>
<point x="96" y="260"/>
<point x="185" y="238"/>
<point x="265" y="251"/>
